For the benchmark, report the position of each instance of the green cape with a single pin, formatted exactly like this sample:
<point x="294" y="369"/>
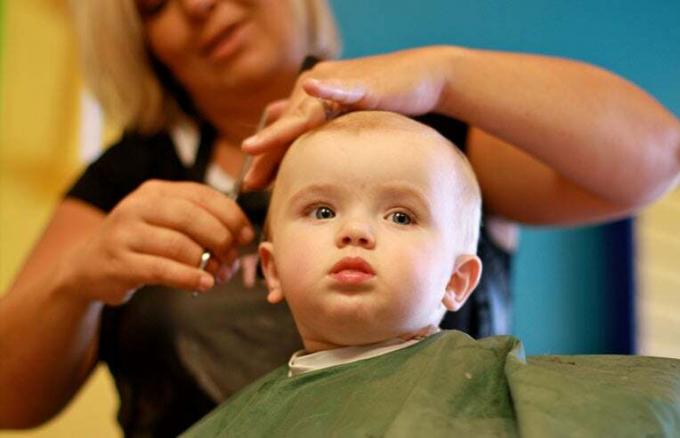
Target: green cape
<point x="451" y="385"/>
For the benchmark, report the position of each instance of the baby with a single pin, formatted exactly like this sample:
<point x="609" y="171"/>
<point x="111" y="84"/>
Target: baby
<point x="371" y="237"/>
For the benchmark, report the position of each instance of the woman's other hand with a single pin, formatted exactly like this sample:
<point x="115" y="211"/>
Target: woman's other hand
<point x="408" y="82"/>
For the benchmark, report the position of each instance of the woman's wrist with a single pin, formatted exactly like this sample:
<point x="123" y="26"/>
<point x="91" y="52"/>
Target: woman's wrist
<point x="69" y="287"/>
<point x="450" y="65"/>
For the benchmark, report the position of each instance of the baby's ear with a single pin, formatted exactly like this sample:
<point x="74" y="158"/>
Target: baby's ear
<point x="266" y="250"/>
<point x="464" y="279"/>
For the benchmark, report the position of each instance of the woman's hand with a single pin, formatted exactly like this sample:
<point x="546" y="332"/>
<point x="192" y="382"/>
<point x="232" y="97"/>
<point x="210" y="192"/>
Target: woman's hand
<point x="537" y="118"/>
<point x="156" y="235"/>
<point x="409" y="82"/>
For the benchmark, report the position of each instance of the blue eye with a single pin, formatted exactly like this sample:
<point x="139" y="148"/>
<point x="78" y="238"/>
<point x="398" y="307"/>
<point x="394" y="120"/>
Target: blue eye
<point x="323" y="213"/>
<point x="401" y="218"/>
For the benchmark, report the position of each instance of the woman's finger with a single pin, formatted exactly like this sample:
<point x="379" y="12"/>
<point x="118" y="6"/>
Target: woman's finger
<point x="227" y="270"/>
<point x="156" y="192"/>
<point x="343" y="94"/>
<point x="270" y="144"/>
<point x="263" y="169"/>
<point x="150" y="269"/>
<point x="196" y="223"/>
<point x="217" y="228"/>
<point x="170" y="244"/>
<point x="249" y="268"/>
<point x="275" y="110"/>
<point x="218" y="204"/>
<point x="205" y="212"/>
<point x="300" y="118"/>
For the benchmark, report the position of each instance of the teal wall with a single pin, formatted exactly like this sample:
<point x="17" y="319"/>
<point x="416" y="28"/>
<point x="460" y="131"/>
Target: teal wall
<point x="565" y="281"/>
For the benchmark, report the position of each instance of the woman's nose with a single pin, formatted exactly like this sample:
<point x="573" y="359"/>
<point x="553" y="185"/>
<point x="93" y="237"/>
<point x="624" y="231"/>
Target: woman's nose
<point x="199" y="8"/>
<point x="355" y="233"/>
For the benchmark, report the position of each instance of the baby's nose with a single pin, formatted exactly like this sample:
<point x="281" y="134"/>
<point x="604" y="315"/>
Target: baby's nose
<point x="356" y="233"/>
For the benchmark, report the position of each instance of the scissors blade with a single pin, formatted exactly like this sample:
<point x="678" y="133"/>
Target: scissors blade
<point x="236" y="189"/>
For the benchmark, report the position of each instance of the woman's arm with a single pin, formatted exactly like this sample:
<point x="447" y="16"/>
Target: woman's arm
<point x="50" y="316"/>
<point x="518" y="187"/>
<point x="595" y="131"/>
<point x="579" y="133"/>
<point x="48" y="332"/>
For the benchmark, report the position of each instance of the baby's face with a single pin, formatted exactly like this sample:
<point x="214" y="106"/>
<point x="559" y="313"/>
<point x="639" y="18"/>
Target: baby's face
<point x="363" y="244"/>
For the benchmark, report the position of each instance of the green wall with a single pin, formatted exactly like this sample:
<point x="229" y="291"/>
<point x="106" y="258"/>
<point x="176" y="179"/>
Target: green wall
<point x="566" y="282"/>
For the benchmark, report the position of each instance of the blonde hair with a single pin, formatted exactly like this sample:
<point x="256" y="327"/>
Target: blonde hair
<point x="119" y="71"/>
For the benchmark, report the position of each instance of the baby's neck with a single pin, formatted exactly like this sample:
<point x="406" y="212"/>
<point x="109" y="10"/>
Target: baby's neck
<point x="315" y="345"/>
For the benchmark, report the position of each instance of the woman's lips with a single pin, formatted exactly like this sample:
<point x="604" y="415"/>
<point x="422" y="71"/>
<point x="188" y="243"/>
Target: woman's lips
<point x="225" y="42"/>
<point x="352" y="270"/>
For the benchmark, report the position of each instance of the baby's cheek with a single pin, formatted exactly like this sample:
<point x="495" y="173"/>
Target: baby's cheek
<point x="424" y="273"/>
<point x="416" y="266"/>
<point x="297" y="266"/>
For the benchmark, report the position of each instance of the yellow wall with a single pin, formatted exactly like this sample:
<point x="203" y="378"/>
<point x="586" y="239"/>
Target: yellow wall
<point x="38" y="159"/>
<point x="658" y="300"/>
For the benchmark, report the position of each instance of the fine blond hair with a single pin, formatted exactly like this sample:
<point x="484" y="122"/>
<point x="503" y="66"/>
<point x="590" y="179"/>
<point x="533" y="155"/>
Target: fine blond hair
<point x="467" y="191"/>
<point x="119" y="72"/>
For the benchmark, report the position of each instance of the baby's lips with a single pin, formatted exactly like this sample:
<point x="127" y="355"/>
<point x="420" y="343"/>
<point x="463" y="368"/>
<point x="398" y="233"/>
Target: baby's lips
<point x="356" y="264"/>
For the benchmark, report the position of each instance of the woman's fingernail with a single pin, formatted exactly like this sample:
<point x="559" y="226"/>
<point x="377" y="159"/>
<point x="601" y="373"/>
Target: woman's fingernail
<point x="233" y="269"/>
<point x="247" y="183"/>
<point x="250" y="141"/>
<point x="205" y="282"/>
<point x="224" y="274"/>
<point x="246" y="235"/>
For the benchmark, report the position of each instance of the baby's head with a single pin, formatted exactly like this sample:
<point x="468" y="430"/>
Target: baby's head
<point x="372" y="230"/>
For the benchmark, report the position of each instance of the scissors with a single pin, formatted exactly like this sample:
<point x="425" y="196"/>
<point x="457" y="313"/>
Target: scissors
<point x="235" y="191"/>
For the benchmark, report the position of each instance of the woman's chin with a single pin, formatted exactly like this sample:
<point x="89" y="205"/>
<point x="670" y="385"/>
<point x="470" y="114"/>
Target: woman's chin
<point x="251" y="68"/>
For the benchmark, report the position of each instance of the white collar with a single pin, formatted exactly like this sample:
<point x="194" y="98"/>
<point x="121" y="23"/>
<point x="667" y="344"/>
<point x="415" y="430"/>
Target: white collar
<point x="301" y="362"/>
<point x="186" y="138"/>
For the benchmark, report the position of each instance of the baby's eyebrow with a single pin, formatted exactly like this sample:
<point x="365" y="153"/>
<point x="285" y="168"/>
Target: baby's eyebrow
<point x="312" y="190"/>
<point x="401" y="189"/>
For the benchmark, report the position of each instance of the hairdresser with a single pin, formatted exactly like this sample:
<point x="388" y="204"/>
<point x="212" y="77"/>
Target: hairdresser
<point x="113" y="276"/>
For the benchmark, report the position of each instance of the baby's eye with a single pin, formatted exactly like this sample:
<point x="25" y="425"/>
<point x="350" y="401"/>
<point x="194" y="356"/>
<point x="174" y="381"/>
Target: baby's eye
<point x="323" y="213"/>
<point x="401" y="218"/>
